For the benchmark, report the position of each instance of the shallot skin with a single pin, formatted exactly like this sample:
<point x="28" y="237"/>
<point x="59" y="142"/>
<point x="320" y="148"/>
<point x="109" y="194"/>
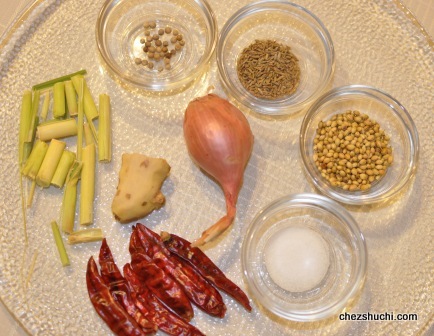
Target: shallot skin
<point x="220" y="141"/>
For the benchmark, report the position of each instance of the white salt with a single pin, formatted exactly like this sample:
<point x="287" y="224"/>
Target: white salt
<point x="297" y="258"/>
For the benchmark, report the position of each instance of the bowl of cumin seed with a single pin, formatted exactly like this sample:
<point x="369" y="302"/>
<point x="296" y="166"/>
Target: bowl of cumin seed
<point x="275" y="57"/>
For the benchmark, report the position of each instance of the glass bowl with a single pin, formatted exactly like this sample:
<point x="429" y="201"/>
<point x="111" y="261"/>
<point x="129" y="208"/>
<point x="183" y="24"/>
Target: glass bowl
<point x="288" y="24"/>
<point x="345" y="256"/>
<point x="121" y="27"/>
<point x="392" y="117"/>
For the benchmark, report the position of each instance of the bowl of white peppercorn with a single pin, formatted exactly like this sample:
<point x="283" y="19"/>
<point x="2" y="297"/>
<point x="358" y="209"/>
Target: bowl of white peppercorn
<point x="275" y="57"/>
<point x="156" y="45"/>
<point x="359" y="145"/>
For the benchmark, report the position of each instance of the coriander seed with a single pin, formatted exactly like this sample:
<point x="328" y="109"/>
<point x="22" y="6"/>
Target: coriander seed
<point x="147" y="32"/>
<point x="167" y="66"/>
<point x="158" y="43"/>
<point x="160" y="31"/>
<point x="142" y="40"/>
<point x="155" y="37"/>
<point x="173" y="39"/>
<point x="150" y="65"/>
<point x="137" y="60"/>
<point x="165" y="43"/>
<point x="179" y="37"/>
<point x="178" y="47"/>
<point x="167" y="30"/>
<point x="152" y="24"/>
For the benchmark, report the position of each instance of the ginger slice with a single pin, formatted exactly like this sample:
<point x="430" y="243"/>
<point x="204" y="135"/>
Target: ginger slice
<point x="138" y="191"/>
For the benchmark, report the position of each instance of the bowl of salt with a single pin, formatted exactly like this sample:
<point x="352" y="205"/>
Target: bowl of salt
<point x="304" y="258"/>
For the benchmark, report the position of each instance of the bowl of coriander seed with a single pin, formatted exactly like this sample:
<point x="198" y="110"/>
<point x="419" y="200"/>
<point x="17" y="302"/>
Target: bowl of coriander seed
<point x="359" y="145"/>
<point x="275" y="57"/>
<point x="156" y="45"/>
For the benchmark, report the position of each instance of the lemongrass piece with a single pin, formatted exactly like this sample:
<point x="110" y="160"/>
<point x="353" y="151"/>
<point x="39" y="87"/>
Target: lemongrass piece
<point x="57" y="129"/>
<point x="23" y="210"/>
<point x="59" y="110"/>
<point x="71" y="98"/>
<point x="104" y="130"/>
<point x="67" y="213"/>
<point x="49" y="165"/>
<point x="34" y="162"/>
<point x="31" y="194"/>
<point x="66" y="161"/>
<point x="80" y="119"/>
<point x="85" y="236"/>
<point x="89" y="105"/>
<point x="25" y="148"/>
<point x="51" y="82"/>
<point x="45" y="106"/>
<point x="87" y="190"/>
<point x="59" y="243"/>
<point x="88" y="136"/>
<point x="34" y="118"/>
<point x="32" y="268"/>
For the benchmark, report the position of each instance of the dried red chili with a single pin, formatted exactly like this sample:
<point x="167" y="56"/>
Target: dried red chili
<point x="204" y="265"/>
<point x="107" y="307"/>
<point x="154" y="310"/>
<point x="119" y="288"/>
<point x="161" y="284"/>
<point x="199" y="291"/>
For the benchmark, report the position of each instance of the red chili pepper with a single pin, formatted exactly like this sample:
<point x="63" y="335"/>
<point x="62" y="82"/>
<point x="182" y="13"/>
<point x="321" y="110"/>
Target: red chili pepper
<point x="107" y="307"/>
<point x="204" y="265"/>
<point x="154" y="310"/>
<point x="161" y="284"/>
<point x="199" y="291"/>
<point x="119" y="288"/>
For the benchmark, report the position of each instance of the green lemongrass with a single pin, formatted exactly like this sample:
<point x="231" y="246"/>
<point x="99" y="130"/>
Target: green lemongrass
<point x="57" y="129"/>
<point x="24" y="148"/>
<point x="66" y="161"/>
<point x="88" y="136"/>
<point x="31" y="269"/>
<point x="80" y="119"/>
<point x="51" y="82"/>
<point x="59" y="243"/>
<point x="34" y="119"/>
<point x="59" y="110"/>
<point x="49" y="165"/>
<point x="67" y="213"/>
<point x="31" y="194"/>
<point x="45" y="106"/>
<point x="87" y="189"/>
<point x="89" y="105"/>
<point x="85" y="236"/>
<point x="71" y="98"/>
<point x="104" y="130"/>
<point x="34" y="162"/>
<point x="23" y="210"/>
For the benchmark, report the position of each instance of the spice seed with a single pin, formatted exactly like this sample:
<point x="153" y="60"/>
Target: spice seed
<point x="268" y="69"/>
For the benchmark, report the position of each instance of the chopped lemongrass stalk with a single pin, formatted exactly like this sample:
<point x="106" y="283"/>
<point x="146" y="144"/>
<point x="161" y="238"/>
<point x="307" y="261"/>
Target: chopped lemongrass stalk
<point x="89" y="105"/>
<point x="104" y="130"/>
<point x="87" y="189"/>
<point x="80" y="119"/>
<point x="67" y="214"/>
<point x="59" y="243"/>
<point x="25" y="122"/>
<point x="88" y="136"/>
<point x="66" y="161"/>
<point x="31" y="194"/>
<point x="34" y="162"/>
<point x="45" y="106"/>
<point x="32" y="268"/>
<point x="85" y="236"/>
<point x="57" y="129"/>
<point x="71" y="99"/>
<point x="51" y="82"/>
<point x="23" y="210"/>
<point x="59" y="110"/>
<point x="49" y="165"/>
<point x="34" y="119"/>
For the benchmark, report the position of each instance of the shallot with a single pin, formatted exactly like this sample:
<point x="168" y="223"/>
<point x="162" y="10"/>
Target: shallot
<point x="220" y="141"/>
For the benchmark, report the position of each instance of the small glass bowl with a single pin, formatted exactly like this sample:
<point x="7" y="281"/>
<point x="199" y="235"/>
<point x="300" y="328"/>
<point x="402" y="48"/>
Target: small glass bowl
<point x="285" y="23"/>
<point x="392" y="117"/>
<point x="347" y="255"/>
<point x="120" y="27"/>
